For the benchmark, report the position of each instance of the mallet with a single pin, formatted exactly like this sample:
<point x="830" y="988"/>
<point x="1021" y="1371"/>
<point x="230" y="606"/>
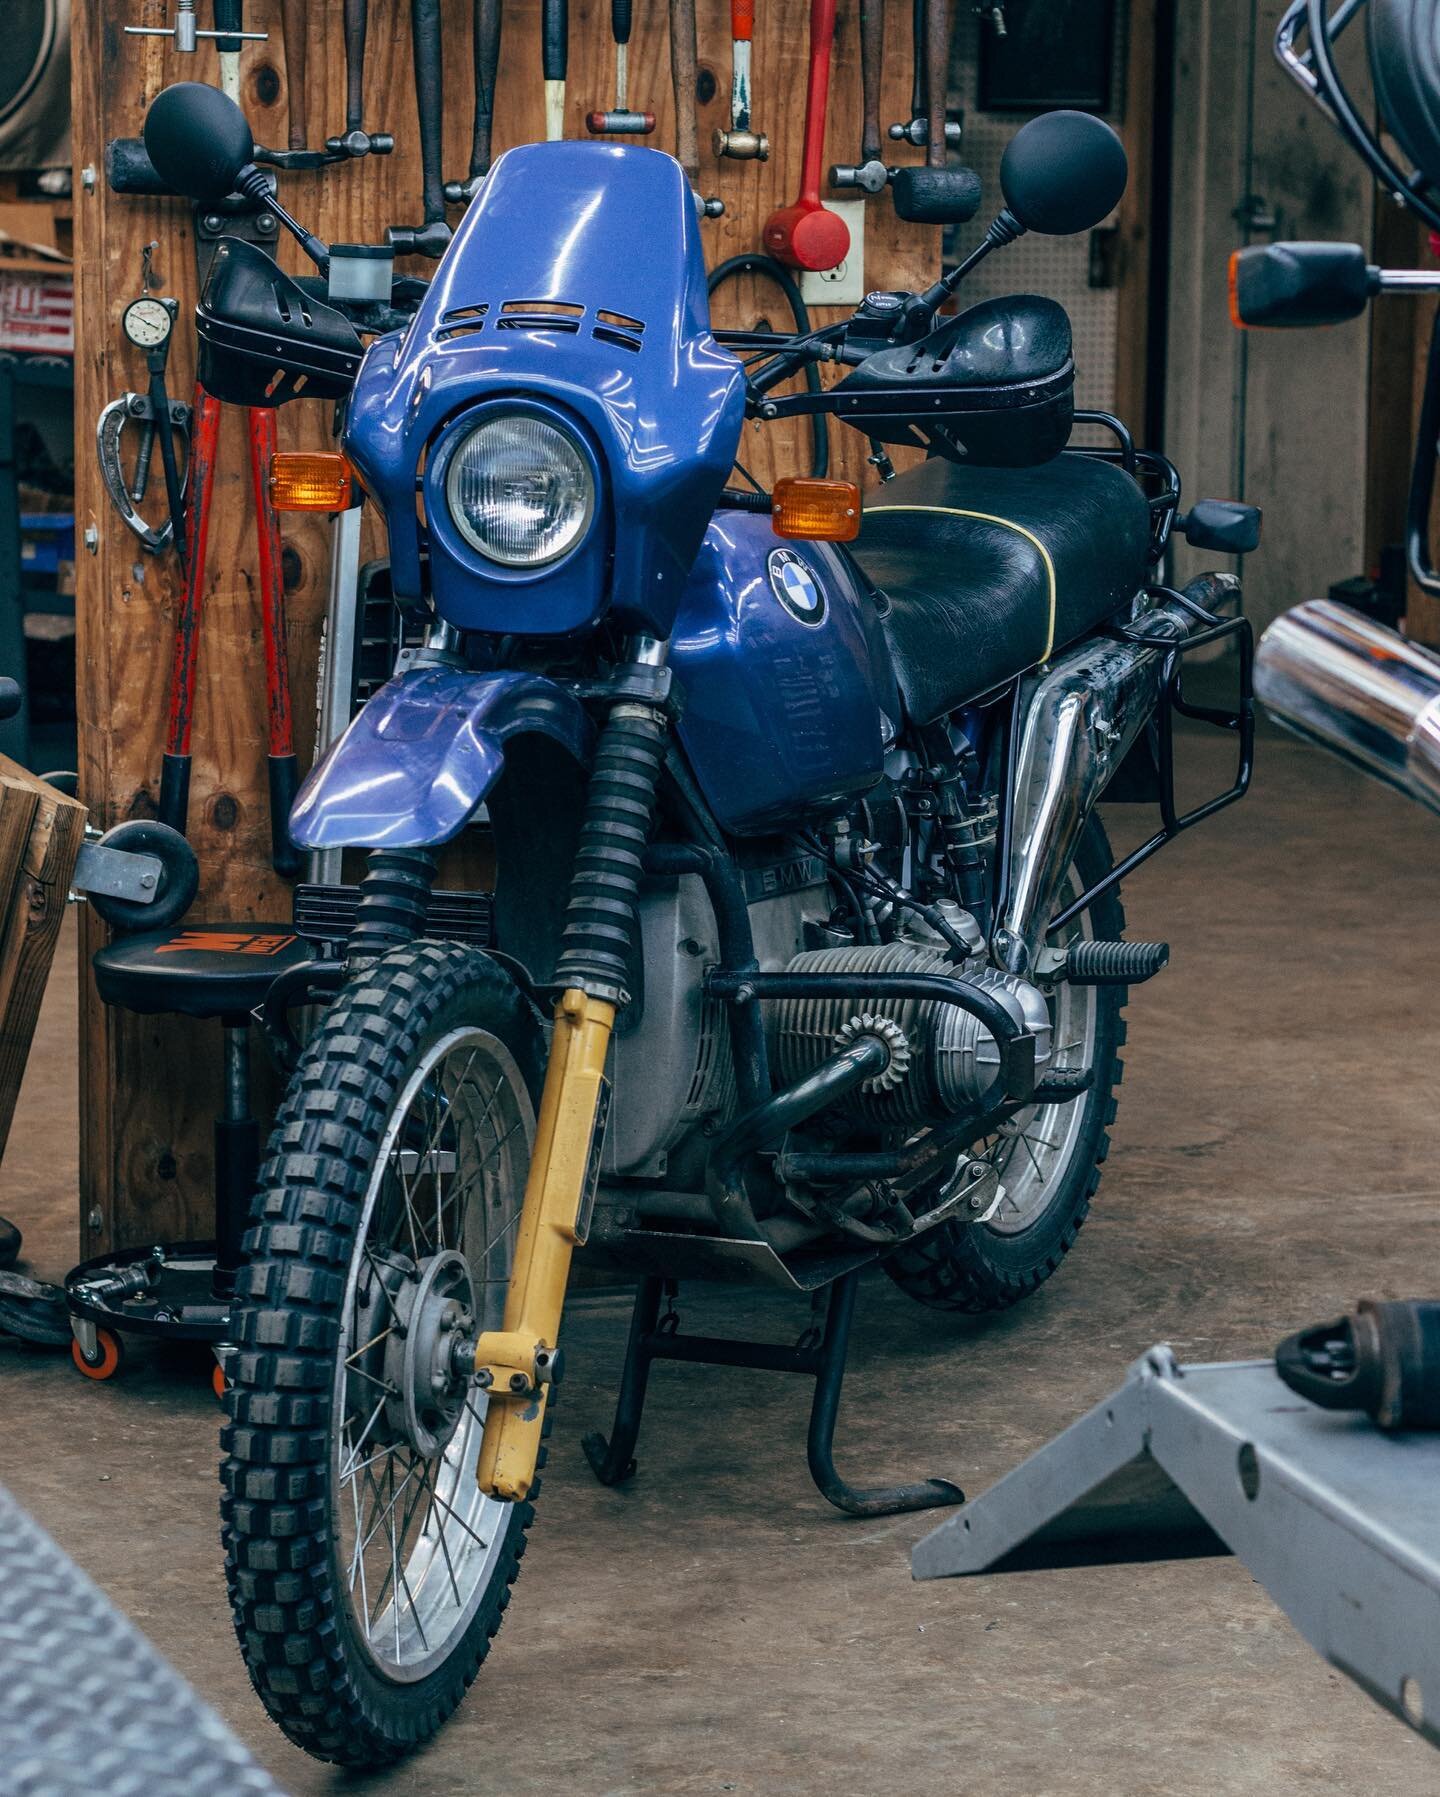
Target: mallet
<point x="622" y="122"/>
<point x="804" y="234"/>
<point x="741" y="142"/>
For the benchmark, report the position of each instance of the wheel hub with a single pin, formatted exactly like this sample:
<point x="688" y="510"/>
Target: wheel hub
<point x="433" y="1309"/>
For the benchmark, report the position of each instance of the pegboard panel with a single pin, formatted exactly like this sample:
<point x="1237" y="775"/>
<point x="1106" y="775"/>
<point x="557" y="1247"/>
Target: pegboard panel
<point x="1056" y="266"/>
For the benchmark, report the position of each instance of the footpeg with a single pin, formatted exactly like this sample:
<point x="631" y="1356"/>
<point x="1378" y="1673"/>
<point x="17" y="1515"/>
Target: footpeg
<point x="1114" y="963"/>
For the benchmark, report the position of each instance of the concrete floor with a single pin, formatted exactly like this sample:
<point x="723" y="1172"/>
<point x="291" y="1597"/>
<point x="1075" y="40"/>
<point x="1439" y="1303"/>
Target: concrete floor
<point x="715" y="1628"/>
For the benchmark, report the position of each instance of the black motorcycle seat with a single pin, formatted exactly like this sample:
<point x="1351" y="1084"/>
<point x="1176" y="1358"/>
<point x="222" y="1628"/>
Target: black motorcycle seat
<point x="986" y="571"/>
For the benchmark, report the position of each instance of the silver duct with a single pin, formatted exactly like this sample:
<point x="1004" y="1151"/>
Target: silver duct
<point x="1082" y="716"/>
<point x="1360" y="690"/>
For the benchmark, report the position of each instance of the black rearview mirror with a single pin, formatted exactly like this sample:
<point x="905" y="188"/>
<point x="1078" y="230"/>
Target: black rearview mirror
<point x="198" y="140"/>
<point x="1300" y="284"/>
<point x="1063" y="173"/>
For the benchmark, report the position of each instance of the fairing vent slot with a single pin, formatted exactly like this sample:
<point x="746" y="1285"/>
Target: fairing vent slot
<point x="619" y="329"/>
<point x="463" y="321"/>
<point x="539" y="315"/>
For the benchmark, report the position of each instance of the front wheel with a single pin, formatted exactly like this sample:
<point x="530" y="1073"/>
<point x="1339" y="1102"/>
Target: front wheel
<point x="367" y="1571"/>
<point x="1048" y="1156"/>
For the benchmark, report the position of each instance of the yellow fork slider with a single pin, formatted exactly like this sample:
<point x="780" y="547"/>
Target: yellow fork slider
<point x="512" y="1357"/>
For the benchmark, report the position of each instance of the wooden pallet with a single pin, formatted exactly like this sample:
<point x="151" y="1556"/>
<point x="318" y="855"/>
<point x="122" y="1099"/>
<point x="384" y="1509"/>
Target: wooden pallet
<point x="41" y="831"/>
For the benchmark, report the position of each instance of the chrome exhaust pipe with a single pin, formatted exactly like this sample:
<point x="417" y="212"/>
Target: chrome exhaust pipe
<point x="1081" y="718"/>
<point x="1364" y="692"/>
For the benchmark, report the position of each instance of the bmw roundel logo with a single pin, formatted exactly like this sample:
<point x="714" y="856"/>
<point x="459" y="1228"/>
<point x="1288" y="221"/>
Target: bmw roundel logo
<point x="796" y="587"/>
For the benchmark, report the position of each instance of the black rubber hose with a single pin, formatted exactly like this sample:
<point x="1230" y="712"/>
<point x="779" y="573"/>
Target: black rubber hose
<point x="752" y="263"/>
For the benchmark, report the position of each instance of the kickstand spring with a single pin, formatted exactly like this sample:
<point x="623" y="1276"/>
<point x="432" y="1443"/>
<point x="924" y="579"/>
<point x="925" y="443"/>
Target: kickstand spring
<point x="821" y="1353"/>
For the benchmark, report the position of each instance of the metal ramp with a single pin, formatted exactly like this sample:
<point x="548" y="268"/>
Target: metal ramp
<point x="1338" y="1520"/>
<point x="86" y="1703"/>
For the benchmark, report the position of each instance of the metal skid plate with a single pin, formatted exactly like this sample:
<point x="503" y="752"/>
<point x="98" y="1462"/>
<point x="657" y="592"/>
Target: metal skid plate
<point x="86" y="1703"/>
<point x="1338" y="1520"/>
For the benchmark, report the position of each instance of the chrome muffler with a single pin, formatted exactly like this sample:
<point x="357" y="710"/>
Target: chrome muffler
<point x="1364" y="692"/>
<point x="1081" y="718"/>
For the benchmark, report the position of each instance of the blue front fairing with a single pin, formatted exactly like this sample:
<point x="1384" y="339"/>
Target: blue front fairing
<point x="608" y="233"/>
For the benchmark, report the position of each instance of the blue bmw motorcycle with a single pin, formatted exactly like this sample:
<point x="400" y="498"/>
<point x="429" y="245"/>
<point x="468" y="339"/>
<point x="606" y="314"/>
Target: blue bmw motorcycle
<point x="803" y="950"/>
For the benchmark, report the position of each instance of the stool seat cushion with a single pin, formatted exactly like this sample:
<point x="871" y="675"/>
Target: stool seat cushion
<point x="198" y="970"/>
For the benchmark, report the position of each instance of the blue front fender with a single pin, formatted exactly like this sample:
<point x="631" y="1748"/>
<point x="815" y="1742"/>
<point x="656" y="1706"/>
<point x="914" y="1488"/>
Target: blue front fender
<point x="414" y="765"/>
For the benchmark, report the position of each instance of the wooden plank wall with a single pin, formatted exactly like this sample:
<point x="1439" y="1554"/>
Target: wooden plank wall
<point x="148" y="1085"/>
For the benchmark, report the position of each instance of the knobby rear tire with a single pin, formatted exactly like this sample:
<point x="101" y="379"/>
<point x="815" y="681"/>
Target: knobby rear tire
<point x="978" y="1270"/>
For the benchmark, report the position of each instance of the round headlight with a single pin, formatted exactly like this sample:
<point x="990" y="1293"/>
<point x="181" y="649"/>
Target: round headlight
<point x="520" y="490"/>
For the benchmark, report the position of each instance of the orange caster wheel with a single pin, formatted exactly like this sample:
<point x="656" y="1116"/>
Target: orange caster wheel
<point x="217" y="1379"/>
<point x="109" y="1356"/>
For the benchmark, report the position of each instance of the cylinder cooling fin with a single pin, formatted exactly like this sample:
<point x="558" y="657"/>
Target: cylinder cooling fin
<point x="942" y="1058"/>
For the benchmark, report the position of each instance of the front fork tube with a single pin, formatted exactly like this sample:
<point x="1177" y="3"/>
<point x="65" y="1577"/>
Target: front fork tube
<point x="516" y="1364"/>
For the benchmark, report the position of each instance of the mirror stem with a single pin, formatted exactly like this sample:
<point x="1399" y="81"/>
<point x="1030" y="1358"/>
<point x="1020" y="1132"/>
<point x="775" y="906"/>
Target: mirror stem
<point x="923" y="306"/>
<point x="256" y="186"/>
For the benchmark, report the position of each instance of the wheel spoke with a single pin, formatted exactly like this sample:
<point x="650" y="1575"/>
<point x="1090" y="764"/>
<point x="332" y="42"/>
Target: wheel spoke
<point x="415" y="1540"/>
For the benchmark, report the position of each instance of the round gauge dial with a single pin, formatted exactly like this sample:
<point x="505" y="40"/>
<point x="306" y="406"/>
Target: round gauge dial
<point x="147" y="322"/>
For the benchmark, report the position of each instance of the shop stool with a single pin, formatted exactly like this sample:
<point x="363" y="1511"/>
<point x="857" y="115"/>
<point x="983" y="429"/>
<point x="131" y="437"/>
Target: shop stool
<point x="182" y="1291"/>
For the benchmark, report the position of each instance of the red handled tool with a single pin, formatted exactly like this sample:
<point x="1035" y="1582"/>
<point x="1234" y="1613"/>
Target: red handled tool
<point x="622" y="122"/>
<point x="741" y="141"/>
<point x="174" y="804"/>
<point x="804" y="234"/>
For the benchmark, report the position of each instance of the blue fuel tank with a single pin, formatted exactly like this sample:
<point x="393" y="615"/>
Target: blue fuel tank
<point x="789" y="695"/>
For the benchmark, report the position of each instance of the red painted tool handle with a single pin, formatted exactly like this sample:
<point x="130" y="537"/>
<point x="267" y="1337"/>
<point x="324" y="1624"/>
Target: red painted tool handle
<point x="280" y="728"/>
<point x="817" y="98"/>
<point x="742" y="20"/>
<point x="175" y="774"/>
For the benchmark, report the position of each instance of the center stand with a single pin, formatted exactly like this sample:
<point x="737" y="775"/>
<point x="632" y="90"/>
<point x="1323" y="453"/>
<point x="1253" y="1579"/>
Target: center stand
<point x="820" y="1353"/>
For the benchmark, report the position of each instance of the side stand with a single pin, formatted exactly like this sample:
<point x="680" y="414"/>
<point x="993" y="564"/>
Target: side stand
<point x="820" y="1353"/>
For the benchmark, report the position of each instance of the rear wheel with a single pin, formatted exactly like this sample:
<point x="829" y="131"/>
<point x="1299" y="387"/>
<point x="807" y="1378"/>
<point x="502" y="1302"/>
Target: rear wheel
<point x="1049" y="1156"/>
<point x="367" y="1571"/>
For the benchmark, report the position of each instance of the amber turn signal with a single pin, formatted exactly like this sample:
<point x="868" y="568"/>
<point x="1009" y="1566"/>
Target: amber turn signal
<point x="1235" y="318"/>
<point x="822" y="511"/>
<point x="305" y="481"/>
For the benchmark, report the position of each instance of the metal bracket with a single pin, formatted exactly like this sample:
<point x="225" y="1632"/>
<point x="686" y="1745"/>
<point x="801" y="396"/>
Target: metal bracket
<point x="116" y="873"/>
<point x="140" y="409"/>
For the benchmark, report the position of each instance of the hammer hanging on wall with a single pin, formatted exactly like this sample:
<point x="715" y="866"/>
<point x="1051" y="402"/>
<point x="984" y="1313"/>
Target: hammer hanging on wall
<point x="430" y="238"/>
<point x="684" y="73"/>
<point x="485" y="44"/>
<point x="805" y="234"/>
<point x="741" y="141"/>
<point x="554" y="54"/>
<point x="932" y="72"/>
<point x="870" y="174"/>
<point x="293" y="25"/>
<point x="622" y="121"/>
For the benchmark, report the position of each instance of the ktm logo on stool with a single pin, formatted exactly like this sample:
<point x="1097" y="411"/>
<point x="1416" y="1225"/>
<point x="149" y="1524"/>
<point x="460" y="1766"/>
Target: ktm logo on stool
<point x="224" y="942"/>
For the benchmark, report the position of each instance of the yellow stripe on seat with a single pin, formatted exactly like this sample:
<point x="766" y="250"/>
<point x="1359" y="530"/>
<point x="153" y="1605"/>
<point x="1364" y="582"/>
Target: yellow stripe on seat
<point x="954" y="511"/>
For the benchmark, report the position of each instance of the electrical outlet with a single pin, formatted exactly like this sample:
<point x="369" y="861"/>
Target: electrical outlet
<point x="845" y="285"/>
